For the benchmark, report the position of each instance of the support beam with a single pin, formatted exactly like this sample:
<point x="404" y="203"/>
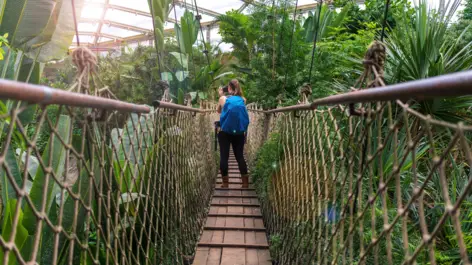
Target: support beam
<point x="201" y="10"/>
<point x="89" y="33"/>
<point x="100" y="23"/>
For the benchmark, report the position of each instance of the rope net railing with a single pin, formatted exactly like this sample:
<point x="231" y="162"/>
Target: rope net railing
<point x="88" y="186"/>
<point x="371" y="183"/>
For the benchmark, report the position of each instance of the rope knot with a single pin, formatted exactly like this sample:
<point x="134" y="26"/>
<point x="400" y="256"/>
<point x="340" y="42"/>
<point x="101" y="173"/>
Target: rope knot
<point x="84" y="59"/>
<point x="86" y="62"/>
<point x="375" y="56"/>
<point x="305" y="92"/>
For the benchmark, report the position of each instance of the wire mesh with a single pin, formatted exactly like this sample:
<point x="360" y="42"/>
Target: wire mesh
<point x="82" y="186"/>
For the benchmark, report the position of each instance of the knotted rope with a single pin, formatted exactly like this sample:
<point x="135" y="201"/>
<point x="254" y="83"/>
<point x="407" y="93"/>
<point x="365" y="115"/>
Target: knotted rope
<point x="86" y="62"/>
<point x="375" y="56"/>
<point x="305" y="92"/>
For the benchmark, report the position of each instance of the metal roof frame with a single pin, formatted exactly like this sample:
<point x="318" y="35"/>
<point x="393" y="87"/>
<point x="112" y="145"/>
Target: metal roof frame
<point x="143" y="34"/>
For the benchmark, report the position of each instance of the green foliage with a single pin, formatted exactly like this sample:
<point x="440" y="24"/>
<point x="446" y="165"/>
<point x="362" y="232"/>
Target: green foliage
<point x="421" y="49"/>
<point x="3" y="41"/>
<point x="159" y="10"/>
<point x="241" y="32"/>
<point x="43" y="29"/>
<point x="187" y="32"/>
<point x="329" y="21"/>
<point x="266" y="164"/>
<point x="467" y="12"/>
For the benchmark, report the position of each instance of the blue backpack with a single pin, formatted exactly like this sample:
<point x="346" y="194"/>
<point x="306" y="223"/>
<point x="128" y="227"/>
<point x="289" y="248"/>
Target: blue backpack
<point x="234" y="118"/>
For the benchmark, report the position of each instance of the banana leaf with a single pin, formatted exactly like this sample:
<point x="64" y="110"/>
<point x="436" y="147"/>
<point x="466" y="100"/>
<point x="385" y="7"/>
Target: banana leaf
<point x="56" y="161"/>
<point x="24" y="19"/>
<point x="56" y="38"/>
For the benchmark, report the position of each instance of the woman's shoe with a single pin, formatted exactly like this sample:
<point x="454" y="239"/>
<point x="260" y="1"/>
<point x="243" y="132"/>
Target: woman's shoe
<point x="245" y="179"/>
<point x="225" y="182"/>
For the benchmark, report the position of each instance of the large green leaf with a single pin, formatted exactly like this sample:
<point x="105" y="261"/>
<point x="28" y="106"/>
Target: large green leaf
<point x="21" y="236"/>
<point x="166" y="76"/>
<point x="81" y="189"/>
<point x="180" y="96"/>
<point x="159" y="10"/>
<point x="180" y="39"/>
<point x="8" y="192"/>
<point x="182" y="58"/>
<point x="25" y="19"/>
<point x="189" y="31"/>
<point x="181" y="75"/>
<point x="56" y="161"/>
<point x="55" y="40"/>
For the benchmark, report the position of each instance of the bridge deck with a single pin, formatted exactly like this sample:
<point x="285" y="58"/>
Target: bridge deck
<point x="234" y="233"/>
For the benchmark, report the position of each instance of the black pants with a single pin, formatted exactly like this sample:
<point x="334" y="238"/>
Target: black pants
<point x="237" y="141"/>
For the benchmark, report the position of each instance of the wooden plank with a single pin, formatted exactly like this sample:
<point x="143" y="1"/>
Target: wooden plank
<point x="251" y="257"/>
<point x="235" y="215"/>
<point x="234" y="233"/>
<point x="235" y="188"/>
<point x="261" y="238"/>
<point x="258" y="223"/>
<point x="235" y="210"/>
<point x="234" y="222"/>
<point x="210" y="221"/>
<point x="231" y="245"/>
<point x="233" y="256"/>
<point x="234" y="200"/>
<point x="234" y="237"/>
<point x="234" y="196"/>
<point x="220" y="221"/>
<point x="249" y="223"/>
<point x="250" y="237"/>
<point x="201" y="256"/>
<point x="234" y="204"/>
<point x="214" y="256"/>
<point x="264" y="257"/>
<point x="239" y="228"/>
<point x="207" y="235"/>
<point x="218" y="237"/>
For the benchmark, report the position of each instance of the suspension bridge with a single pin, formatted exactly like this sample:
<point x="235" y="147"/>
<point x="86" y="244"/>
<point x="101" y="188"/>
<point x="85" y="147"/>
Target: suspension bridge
<point x="119" y="183"/>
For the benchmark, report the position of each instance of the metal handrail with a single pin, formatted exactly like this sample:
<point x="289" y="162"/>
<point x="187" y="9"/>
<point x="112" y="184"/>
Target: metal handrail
<point x="167" y="105"/>
<point x="45" y="95"/>
<point x="457" y="84"/>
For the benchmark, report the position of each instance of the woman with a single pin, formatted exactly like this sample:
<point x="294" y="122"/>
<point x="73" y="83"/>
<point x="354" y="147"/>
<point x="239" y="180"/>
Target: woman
<point x="234" y="121"/>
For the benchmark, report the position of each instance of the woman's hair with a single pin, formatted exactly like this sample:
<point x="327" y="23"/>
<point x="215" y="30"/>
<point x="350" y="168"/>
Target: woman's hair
<point x="234" y="84"/>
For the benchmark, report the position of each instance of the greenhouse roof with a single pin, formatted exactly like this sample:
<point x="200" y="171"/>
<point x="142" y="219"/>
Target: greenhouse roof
<point x="106" y="24"/>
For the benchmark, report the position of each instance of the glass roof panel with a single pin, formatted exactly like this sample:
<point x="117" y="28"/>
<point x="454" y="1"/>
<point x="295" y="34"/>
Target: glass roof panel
<point x="127" y="18"/>
<point x="92" y="11"/>
<point x="119" y="32"/>
<point x="179" y="12"/>
<point x="132" y="4"/>
<point x="220" y="6"/>
<point x="130" y="21"/>
<point x="91" y="27"/>
<point x="85" y="39"/>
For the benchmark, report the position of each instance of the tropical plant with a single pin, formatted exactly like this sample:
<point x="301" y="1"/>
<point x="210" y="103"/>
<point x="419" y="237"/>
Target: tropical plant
<point x="419" y="48"/>
<point x="328" y="22"/>
<point x="237" y="29"/>
<point x="45" y="36"/>
<point x="187" y="32"/>
<point x="3" y="42"/>
<point x="160" y="11"/>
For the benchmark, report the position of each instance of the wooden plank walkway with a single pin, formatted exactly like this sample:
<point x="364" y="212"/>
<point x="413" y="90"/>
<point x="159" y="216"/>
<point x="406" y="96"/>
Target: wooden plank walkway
<point x="234" y="233"/>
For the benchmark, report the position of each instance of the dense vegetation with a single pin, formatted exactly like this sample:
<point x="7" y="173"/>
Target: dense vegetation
<point x="421" y="42"/>
<point x="272" y="56"/>
<point x="277" y="62"/>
